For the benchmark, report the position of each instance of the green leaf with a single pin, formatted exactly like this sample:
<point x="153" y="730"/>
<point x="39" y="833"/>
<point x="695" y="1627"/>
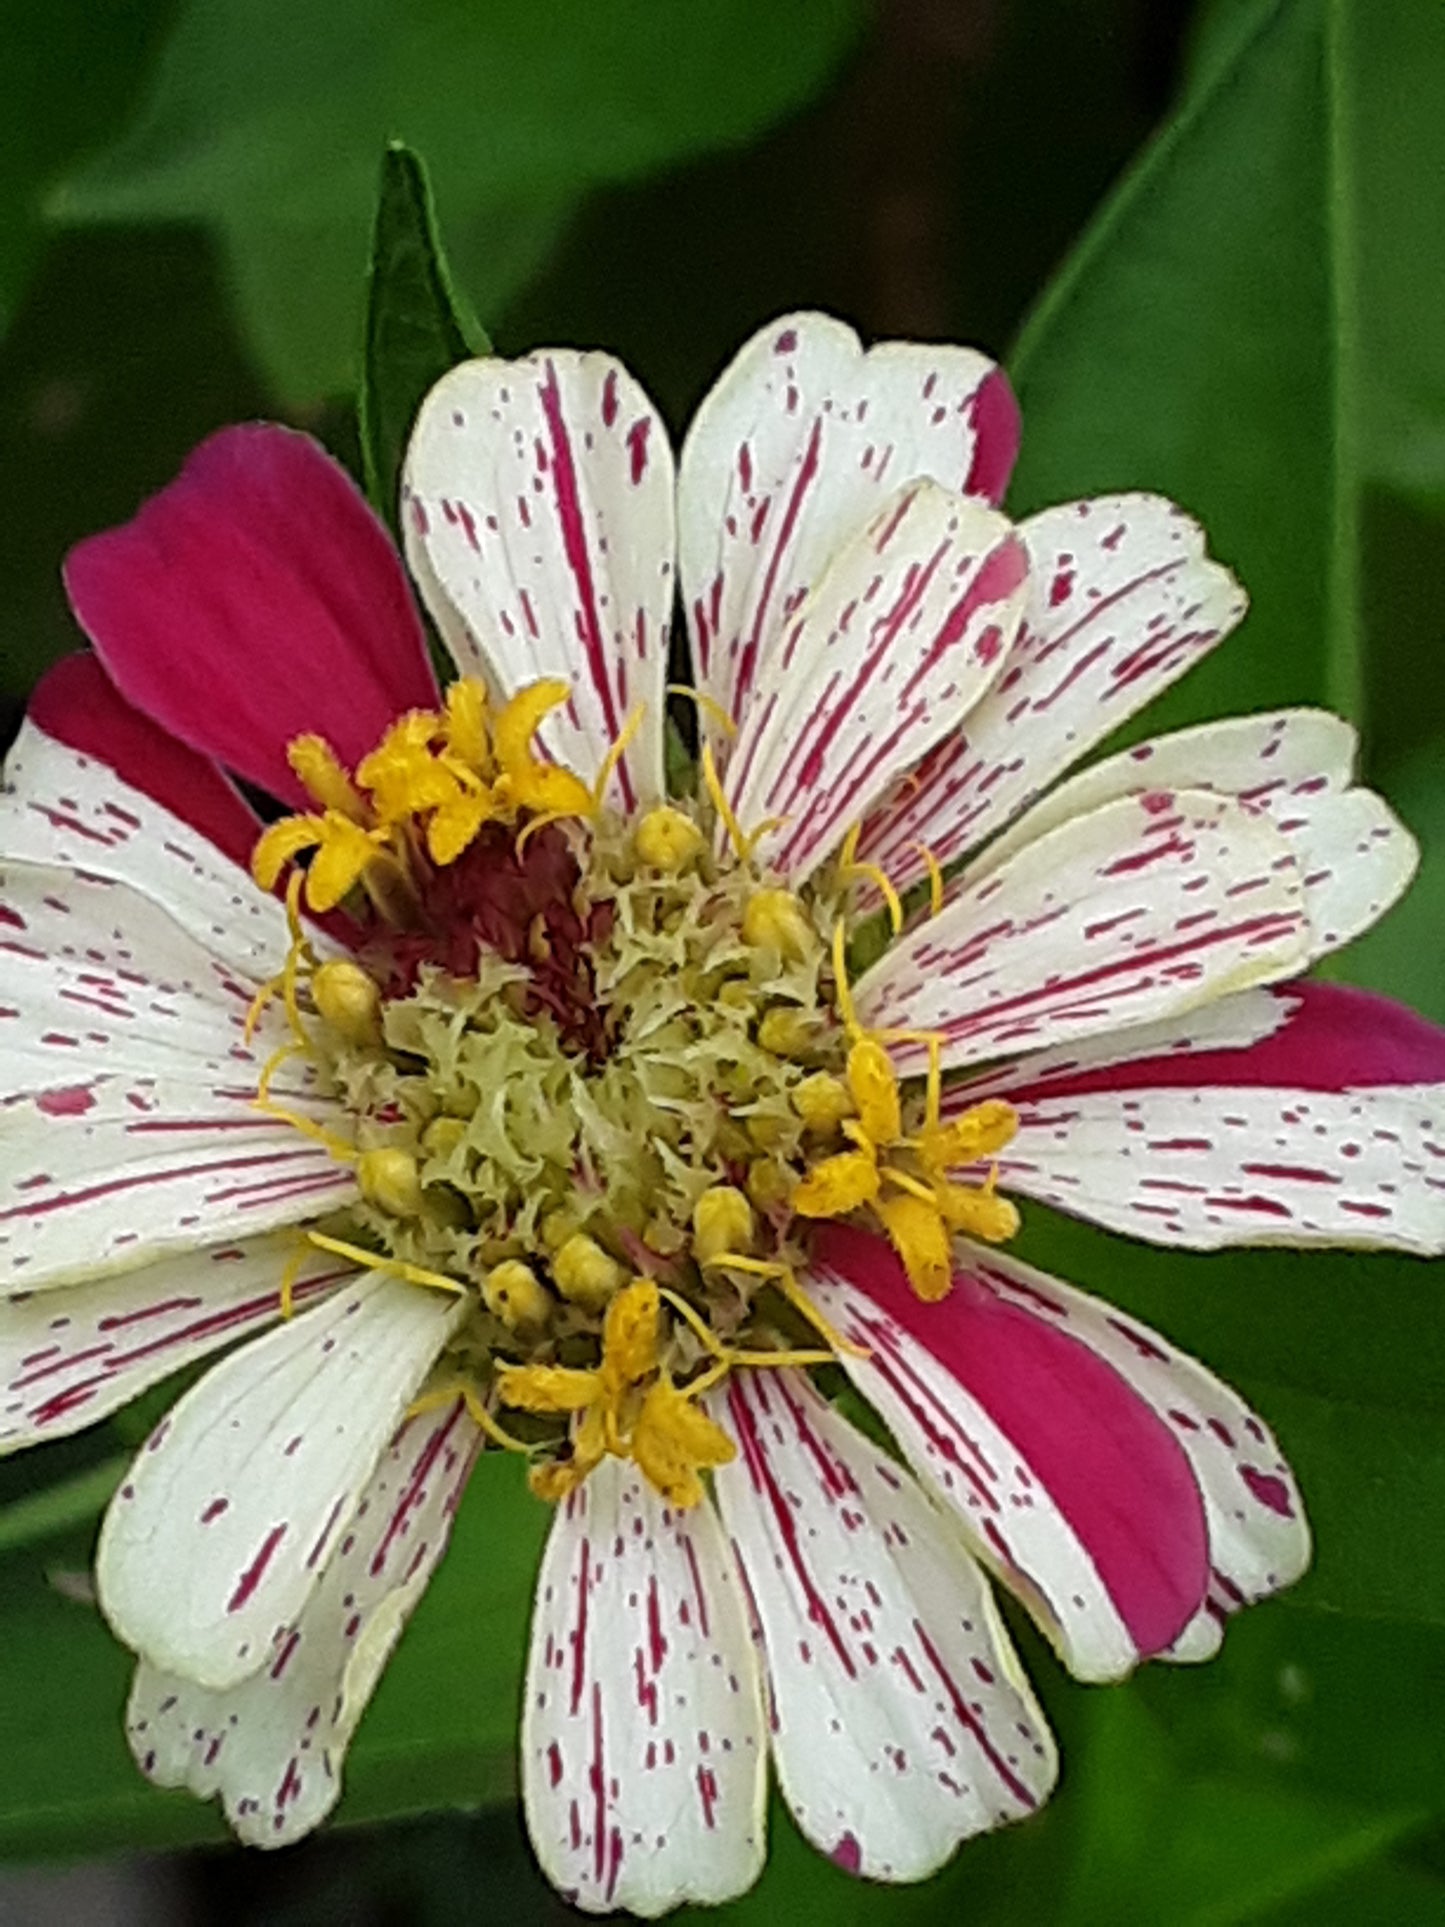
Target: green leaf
<point x="442" y="1730"/>
<point x="1200" y="342"/>
<point x="416" y="325"/>
<point x="265" y="120"/>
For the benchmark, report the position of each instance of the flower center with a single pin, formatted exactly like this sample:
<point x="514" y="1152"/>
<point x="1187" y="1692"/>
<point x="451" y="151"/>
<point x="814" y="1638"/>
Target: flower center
<point x="597" y="1074"/>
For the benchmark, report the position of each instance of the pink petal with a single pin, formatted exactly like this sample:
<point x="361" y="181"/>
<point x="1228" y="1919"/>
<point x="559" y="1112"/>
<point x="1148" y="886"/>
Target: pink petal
<point x="1326" y="1127"/>
<point x="219" y="1535"/>
<point x="273" y="1746"/>
<point x="254" y="599"/>
<point x="1150" y="906"/>
<point x="906" y="629"/>
<point x="1123" y="601"/>
<point x="1259" y="1541"/>
<point x="795" y="449"/>
<point x="128" y="1126"/>
<point x="1067" y="1482"/>
<point x="643" y="1750"/>
<point x="77" y="704"/>
<point x="69" y="1357"/>
<point x="538" y="513"/>
<point x="901" y="1721"/>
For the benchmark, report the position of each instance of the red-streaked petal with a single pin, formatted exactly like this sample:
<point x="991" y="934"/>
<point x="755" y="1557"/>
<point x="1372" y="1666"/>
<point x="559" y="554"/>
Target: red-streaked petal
<point x="65" y="807"/>
<point x="1327" y="1130"/>
<point x="218" y="1536"/>
<point x="128" y="1125"/>
<point x="1354" y="855"/>
<point x="643" y="1743"/>
<point x="69" y="1357"/>
<point x="254" y="599"/>
<point x="1123" y="600"/>
<point x="797" y="446"/>
<point x="1151" y="906"/>
<point x="1259" y="1539"/>
<point x="905" y="631"/>
<point x="76" y="704"/>
<point x="537" y="505"/>
<point x="272" y="1747"/>
<point x="902" y="1724"/>
<point x="1068" y="1484"/>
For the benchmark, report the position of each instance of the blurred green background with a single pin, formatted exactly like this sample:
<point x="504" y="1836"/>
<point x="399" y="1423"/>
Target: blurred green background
<point x="1210" y="242"/>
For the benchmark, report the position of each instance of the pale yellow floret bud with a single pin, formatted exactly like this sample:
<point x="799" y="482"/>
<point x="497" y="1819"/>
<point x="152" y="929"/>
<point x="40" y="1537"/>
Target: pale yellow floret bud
<point x="349" y="1000"/>
<point x="722" y="1220"/>
<point x="822" y="1101"/>
<point x="769" y="1185"/>
<point x="513" y="1294"/>
<point x="775" y="920"/>
<point x="556" y="1228"/>
<point x="443" y="1136"/>
<point x="766" y="1130"/>
<point x="667" y="840"/>
<point x="788" y="1032"/>
<point x="390" y="1180"/>
<point x="585" y="1273"/>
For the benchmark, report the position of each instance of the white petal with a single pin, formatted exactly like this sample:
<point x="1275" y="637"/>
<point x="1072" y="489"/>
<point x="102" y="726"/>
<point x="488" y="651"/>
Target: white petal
<point x="1355" y="857"/>
<point x="128" y="1125"/>
<point x="1123" y="600"/>
<point x="906" y="629"/>
<point x="1010" y="1519"/>
<point x="643" y="1747"/>
<point x="902" y="1723"/>
<point x="272" y="1747"/>
<point x="537" y="507"/>
<point x="214" y="1543"/>
<point x="68" y="811"/>
<point x="70" y="1356"/>
<point x="793" y="451"/>
<point x="1151" y="906"/>
<point x="1259" y="1539"/>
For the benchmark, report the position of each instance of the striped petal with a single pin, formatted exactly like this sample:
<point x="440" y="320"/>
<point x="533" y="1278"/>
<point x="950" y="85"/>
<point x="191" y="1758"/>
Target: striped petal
<point x="1150" y="906"/>
<point x="128" y="1125"/>
<point x="67" y="1358"/>
<point x="1311" y="1115"/>
<point x="906" y="629"/>
<point x="643" y="1748"/>
<point x="902" y="1724"/>
<point x="256" y="598"/>
<point x="1259" y="1540"/>
<point x="1123" y="600"/>
<point x="214" y="1544"/>
<point x="272" y="1747"/>
<point x="1067" y="1483"/>
<point x="1356" y="859"/>
<point x="537" y="504"/>
<point x="795" y="449"/>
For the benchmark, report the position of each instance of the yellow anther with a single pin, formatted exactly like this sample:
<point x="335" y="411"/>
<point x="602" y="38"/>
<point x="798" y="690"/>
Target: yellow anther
<point x="280" y="843"/>
<point x="630" y="1333"/>
<point x="788" y="1032"/>
<point x="464" y="726"/>
<point x="343" y="852"/>
<point x="837" y="1185"/>
<point x="319" y="769"/>
<point x="389" y="1179"/>
<point x="667" y="840"/>
<point x="512" y="1293"/>
<point x="547" y="1388"/>
<point x="775" y="920"/>
<point x="722" y="1220"/>
<point x="709" y="705"/>
<point x="404" y="774"/>
<point x="822" y="1101"/>
<point x="585" y="1273"/>
<point x="979" y="1212"/>
<point x="935" y="877"/>
<point x="874" y="1085"/>
<point x="672" y="1441"/>
<point x="454" y="826"/>
<point x="527" y="782"/>
<point x="919" y="1235"/>
<point x="982" y="1131"/>
<point x="348" y="999"/>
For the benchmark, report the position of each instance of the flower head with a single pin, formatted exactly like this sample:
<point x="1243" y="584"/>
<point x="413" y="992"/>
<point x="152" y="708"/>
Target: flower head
<point x="552" y="1112"/>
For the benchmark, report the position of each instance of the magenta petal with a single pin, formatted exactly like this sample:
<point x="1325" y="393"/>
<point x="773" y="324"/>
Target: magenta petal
<point x="1108" y="1462"/>
<point x="77" y="704"/>
<point x="995" y="421"/>
<point x="252" y="600"/>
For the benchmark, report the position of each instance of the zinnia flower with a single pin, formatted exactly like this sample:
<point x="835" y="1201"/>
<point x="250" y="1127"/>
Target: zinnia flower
<point x="562" y="1111"/>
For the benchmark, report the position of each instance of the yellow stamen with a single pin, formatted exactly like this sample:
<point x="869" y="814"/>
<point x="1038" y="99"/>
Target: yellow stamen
<point x="527" y="782"/>
<point x="935" y="878"/>
<point x="784" y="1277"/>
<point x="708" y="704"/>
<point x="979" y="1132"/>
<point x="837" y="1185"/>
<point x="873" y="1083"/>
<point x="291" y="1272"/>
<point x="460" y="1388"/>
<point x="319" y="769"/>
<point x="842" y="990"/>
<point x="615" y="755"/>
<point x="979" y="1212"/>
<point x="393" y="1267"/>
<point x="465" y="724"/>
<point x="742" y="849"/>
<point x="917" y="1232"/>
<point x="673" y="1442"/>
